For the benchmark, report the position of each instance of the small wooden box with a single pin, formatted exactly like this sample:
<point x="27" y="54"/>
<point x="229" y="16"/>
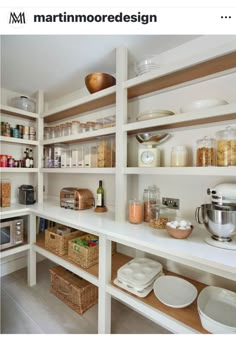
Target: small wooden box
<point x="5" y="193"/>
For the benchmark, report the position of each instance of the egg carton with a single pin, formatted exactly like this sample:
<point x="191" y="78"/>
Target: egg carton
<point x="139" y="272"/>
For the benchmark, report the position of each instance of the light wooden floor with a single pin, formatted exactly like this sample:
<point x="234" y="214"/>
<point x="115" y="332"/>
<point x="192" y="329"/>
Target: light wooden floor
<point x="34" y="310"/>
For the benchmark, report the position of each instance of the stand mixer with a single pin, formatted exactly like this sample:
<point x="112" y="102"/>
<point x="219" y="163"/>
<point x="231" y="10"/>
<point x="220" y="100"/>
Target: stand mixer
<point x="219" y="217"/>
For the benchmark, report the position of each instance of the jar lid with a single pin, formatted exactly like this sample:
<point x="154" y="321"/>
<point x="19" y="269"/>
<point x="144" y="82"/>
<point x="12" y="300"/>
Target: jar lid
<point x="227" y="133"/>
<point x="206" y="141"/>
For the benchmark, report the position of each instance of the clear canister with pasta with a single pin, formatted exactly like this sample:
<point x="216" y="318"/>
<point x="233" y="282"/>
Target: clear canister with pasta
<point x="206" y="152"/>
<point x="226" y="147"/>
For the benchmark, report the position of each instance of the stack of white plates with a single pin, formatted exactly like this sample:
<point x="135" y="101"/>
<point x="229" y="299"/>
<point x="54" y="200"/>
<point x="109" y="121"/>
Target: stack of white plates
<point x="156" y="113"/>
<point x="217" y="310"/>
<point x="138" y="276"/>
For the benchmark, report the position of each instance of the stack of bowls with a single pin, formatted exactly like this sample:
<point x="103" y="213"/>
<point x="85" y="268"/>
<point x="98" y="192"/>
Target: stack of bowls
<point x="146" y="65"/>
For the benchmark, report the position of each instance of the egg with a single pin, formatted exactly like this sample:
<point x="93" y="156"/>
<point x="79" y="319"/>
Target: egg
<point x="183" y="223"/>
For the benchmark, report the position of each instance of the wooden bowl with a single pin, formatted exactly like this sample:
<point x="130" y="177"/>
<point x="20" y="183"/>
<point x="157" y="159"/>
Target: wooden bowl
<point x="98" y="81"/>
<point x="179" y="233"/>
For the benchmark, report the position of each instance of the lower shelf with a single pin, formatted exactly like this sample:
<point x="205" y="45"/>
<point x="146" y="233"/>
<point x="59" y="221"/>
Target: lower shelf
<point x="14" y="250"/>
<point x="183" y="320"/>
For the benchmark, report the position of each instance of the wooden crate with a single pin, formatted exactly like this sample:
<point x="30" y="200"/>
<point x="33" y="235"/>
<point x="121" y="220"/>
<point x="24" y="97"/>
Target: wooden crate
<point x="73" y="290"/>
<point x="57" y="243"/>
<point x="83" y="256"/>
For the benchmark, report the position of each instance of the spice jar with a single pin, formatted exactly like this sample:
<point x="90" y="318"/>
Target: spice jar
<point x="179" y="156"/>
<point x="226" y="147"/>
<point x="206" y="154"/>
<point x="151" y="196"/>
<point x="135" y="211"/>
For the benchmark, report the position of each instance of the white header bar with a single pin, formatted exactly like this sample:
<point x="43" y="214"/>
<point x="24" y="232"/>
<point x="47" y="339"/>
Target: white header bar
<point x="118" y="20"/>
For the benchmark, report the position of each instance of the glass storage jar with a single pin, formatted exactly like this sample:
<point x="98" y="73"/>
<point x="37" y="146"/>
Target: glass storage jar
<point x="151" y="196"/>
<point x="161" y="216"/>
<point x="179" y="156"/>
<point x="206" y="153"/>
<point x="226" y="147"/>
<point x="135" y="211"/>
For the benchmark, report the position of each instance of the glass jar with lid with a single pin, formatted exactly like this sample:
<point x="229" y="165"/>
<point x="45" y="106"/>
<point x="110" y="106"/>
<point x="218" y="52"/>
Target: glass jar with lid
<point x="226" y="147"/>
<point x="179" y="156"/>
<point x="160" y="216"/>
<point x="75" y="127"/>
<point x="206" y="152"/>
<point x="151" y="196"/>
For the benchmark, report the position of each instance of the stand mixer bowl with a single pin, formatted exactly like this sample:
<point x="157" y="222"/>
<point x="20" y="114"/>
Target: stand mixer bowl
<point x="221" y="223"/>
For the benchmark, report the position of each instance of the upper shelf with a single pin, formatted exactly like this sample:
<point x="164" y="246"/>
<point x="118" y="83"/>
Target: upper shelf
<point x="176" y="75"/>
<point x="6" y="109"/>
<point x="216" y="114"/>
<point x="91" y="102"/>
<point x="18" y="141"/>
<point x="82" y="137"/>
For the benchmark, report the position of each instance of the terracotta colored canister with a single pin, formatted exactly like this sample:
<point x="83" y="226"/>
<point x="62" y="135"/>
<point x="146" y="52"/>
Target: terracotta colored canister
<point x="135" y="211"/>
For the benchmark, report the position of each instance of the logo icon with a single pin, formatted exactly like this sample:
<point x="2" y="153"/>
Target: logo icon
<point x="17" y="18"/>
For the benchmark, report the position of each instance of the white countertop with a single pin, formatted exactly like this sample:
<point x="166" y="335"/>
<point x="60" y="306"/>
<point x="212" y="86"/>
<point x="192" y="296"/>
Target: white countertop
<point x="194" y="251"/>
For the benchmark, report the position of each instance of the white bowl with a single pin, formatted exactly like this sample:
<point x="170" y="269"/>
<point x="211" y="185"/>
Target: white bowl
<point x="202" y="104"/>
<point x="217" y="310"/>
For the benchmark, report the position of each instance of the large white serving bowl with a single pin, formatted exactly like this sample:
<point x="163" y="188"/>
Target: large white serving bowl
<point x="217" y="310"/>
<point x="202" y="104"/>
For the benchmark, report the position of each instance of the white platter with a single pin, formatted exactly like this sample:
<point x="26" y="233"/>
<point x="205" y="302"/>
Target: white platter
<point x="217" y="310"/>
<point x="174" y="292"/>
<point x="202" y="104"/>
<point x="147" y="115"/>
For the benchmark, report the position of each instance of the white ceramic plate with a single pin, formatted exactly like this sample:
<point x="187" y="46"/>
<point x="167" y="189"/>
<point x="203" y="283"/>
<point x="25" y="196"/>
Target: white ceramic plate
<point x="147" y="115"/>
<point x="174" y="292"/>
<point x="217" y="309"/>
<point x="202" y="104"/>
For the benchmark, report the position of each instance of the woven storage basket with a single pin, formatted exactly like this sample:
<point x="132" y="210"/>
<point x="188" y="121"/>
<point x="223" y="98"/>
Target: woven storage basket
<point x="57" y="243"/>
<point x="73" y="290"/>
<point x="83" y="256"/>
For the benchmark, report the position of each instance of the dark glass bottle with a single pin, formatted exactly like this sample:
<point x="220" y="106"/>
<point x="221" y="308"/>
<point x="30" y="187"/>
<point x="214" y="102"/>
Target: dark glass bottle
<point x="100" y="195"/>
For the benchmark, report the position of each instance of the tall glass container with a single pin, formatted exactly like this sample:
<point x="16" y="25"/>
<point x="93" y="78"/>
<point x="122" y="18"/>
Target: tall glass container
<point x="151" y="196"/>
<point x="206" y="153"/>
<point x="226" y="147"/>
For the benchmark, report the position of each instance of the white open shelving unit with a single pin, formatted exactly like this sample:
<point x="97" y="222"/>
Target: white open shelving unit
<point x="112" y="226"/>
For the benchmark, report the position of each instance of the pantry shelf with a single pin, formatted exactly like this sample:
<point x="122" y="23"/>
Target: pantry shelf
<point x="18" y="170"/>
<point x="90" y="274"/>
<point x="81" y="170"/>
<point x="5" y="109"/>
<point x="91" y="102"/>
<point x="15" y="250"/>
<point x="82" y="137"/>
<point x="216" y="114"/>
<point x="18" y="141"/>
<point x="179" y="74"/>
<point x="204" y="171"/>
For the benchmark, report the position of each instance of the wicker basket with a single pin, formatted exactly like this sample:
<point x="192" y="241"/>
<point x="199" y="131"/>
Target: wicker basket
<point x="83" y="256"/>
<point x="73" y="290"/>
<point x="57" y="243"/>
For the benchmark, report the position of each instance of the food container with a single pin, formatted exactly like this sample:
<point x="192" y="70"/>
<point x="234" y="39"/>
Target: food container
<point x="106" y="152"/>
<point x="151" y="196"/>
<point x="226" y="147"/>
<point x="5" y="193"/>
<point x="160" y="215"/>
<point x="23" y="103"/>
<point x="206" y="152"/>
<point x="135" y="211"/>
<point x="179" y="156"/>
